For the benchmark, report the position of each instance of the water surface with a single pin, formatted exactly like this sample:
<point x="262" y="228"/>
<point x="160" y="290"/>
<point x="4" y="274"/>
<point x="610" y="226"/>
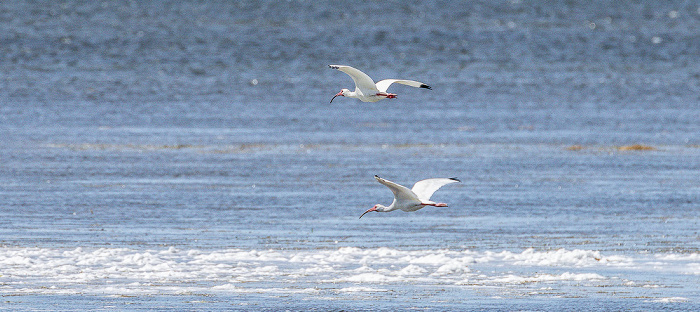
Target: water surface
<point x="185" y="156"/>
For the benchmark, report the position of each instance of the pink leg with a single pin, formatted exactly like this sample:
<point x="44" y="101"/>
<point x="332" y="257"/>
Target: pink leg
<point x="436" y="205"/>
<point x="388" y="95"/>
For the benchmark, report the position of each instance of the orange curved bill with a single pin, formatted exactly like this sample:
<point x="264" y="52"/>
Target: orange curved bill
<point x="368" y="210"/>
<point x="339" y="93"/>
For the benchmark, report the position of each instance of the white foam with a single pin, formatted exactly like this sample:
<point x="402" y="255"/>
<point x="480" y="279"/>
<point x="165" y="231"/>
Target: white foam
<point x="411" y="269"/>
<point x="454" y="266"/>
<point x="680" y="257"/>
<point x="360" y="289"/>
<point x="685" y="263"/>
<point x="670" y="299"/>
<point x="368" y="278"/>
<point x="579" y="258"/>
<point x="513" y="279"/>
<point x="124" y="271"/>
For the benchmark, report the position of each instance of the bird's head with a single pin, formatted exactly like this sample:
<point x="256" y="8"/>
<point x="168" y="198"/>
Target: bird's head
<point x="377" y="208"/>
<point x="341" y="93"/>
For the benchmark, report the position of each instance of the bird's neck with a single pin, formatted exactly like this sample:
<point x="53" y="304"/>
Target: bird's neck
<point x="352" y="94"/>
<point x="391" y="207"/>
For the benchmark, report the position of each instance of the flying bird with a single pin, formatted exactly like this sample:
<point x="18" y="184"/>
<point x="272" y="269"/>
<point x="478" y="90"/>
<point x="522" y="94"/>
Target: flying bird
<point x="413" y="199"/>
<point x="365" y="88"/>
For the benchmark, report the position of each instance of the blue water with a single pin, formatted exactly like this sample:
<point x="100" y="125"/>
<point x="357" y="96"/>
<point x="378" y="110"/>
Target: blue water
<point x="132" y="128"/>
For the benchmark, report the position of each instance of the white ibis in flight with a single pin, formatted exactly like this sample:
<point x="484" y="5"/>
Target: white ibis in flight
<point x="365" y="88"/>
<point x="413" y="199"/>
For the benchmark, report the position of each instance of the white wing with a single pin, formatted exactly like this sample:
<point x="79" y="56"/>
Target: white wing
<point x="401" y="192"/>
<point x="362" y="81"/>
<point x="384" y="84"/>
<point x="425" y="188"/>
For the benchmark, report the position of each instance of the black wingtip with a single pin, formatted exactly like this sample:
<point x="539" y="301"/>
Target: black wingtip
<point x="455" y="179"/>
<point x="333" y="66"/>
<point x="426" y="86"/>
<point x="376" y="176"/>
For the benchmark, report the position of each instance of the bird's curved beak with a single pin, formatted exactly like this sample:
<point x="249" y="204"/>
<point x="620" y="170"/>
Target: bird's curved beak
<point x="339" y="94"/>
<point x="368" y="210"/>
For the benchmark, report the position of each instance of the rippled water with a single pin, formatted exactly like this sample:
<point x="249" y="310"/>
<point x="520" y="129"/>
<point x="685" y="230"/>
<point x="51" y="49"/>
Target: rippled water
<point x="185" y="155"/>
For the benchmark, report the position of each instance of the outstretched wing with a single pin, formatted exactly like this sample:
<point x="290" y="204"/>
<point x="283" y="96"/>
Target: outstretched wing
<point x="384" y="84"/>
<point x="401" y="192"/>
<point x="362" y="81"/>
<point x="425" y="188"/>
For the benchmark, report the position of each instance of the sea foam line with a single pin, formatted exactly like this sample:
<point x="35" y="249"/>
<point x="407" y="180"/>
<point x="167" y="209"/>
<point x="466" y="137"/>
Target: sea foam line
<point x="171" y="270"/>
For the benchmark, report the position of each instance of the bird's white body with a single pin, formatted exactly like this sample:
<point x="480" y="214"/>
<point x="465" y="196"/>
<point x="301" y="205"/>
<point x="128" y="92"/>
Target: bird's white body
<point x="412" y="199"/>
<point x="365" y="88"/>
